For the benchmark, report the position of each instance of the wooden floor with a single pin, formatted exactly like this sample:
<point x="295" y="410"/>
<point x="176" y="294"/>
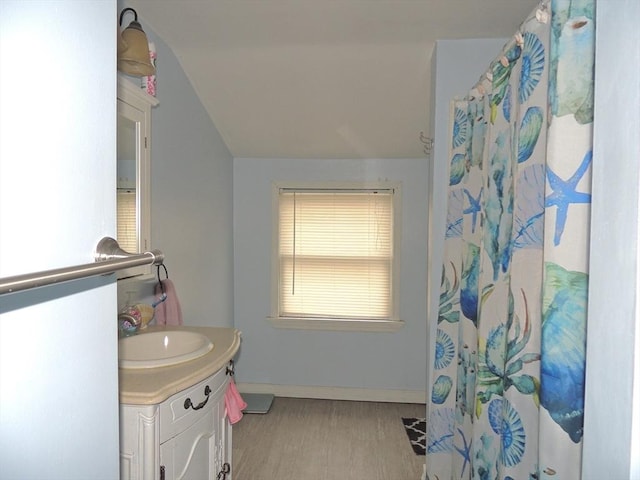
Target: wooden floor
<point x="307" y="439"/>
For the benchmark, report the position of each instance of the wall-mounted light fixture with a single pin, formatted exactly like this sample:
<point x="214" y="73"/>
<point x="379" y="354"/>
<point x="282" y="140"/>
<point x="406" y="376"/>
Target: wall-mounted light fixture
<point x="133" y="49"/>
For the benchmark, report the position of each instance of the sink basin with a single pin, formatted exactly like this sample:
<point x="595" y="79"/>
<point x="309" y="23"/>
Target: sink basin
<point x="161" y="349"/>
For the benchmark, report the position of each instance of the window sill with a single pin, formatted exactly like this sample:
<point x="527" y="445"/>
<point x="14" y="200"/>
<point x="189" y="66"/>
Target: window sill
<point x="388" y="326"/>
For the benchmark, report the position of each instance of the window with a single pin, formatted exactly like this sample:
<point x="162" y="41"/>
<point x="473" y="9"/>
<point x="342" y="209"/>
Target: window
<point x="127" y="233"/>
<point x="335" y="258"/>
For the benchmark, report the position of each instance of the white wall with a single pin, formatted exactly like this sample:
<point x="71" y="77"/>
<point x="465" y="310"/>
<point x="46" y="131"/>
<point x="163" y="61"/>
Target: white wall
<point x="191" y="196"/>
<point x="456" y="65"/>
<point x="58" y="345"/>
<point x="370" y="361"/>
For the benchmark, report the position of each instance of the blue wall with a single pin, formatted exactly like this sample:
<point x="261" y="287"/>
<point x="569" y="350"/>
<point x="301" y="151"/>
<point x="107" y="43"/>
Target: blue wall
<point x="378" y="363"/>
<point x="191" y="197"/>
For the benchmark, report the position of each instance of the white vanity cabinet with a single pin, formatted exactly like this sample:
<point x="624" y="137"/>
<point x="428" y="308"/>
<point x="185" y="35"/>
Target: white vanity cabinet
<point x="185" y="437"/>
<point x="173" y="423"/>
<point x="195" y="435"/>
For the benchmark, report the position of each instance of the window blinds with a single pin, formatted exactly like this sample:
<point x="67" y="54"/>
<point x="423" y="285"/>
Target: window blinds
<point x="126" y="220"/>
<point x="335" y="253"/>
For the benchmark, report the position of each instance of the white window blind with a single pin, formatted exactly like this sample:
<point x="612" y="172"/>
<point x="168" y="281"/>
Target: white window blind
<point x="335" y="253"/>
<point x="126" y="220"/>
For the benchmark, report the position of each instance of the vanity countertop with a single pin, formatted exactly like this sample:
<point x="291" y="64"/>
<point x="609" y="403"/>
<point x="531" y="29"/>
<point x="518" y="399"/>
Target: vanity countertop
<point x="154" y="385"/>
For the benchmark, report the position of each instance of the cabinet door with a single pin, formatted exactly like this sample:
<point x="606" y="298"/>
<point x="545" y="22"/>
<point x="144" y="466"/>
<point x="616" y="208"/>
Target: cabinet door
<point x="190" y="454"/>
<point x="222" y="463"/>
<point x="223" y="452"/>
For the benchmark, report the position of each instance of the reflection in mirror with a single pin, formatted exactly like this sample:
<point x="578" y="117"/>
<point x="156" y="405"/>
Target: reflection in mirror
<point x="133" y="218"/>
<point x="127" y="231"/>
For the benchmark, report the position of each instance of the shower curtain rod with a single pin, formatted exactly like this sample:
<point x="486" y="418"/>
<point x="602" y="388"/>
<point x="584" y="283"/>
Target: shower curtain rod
<point x="109" y="258"/>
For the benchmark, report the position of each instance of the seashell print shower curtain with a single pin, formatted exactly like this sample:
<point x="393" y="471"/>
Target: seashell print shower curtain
<point x="507" y="398"/>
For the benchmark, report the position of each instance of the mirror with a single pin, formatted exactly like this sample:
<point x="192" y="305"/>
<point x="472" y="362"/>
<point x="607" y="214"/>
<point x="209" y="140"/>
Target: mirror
<point x="133" y="168"/>
<point x="128" y="157"/>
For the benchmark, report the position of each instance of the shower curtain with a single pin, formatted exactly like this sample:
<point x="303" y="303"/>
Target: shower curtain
<point x="507" y="391"/>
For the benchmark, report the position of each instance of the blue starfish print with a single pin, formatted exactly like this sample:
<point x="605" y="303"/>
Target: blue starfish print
<point x="473" y="209"/>
<point x="465" y="452"/>
<point x="435" y="445"/>
<point x="564" y="194"/>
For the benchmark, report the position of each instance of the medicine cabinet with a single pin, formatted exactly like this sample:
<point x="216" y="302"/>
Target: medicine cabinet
<point x="134" y="171"/>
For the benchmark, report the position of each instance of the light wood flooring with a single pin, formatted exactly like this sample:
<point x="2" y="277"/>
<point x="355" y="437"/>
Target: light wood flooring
<point x="309" y="439"/>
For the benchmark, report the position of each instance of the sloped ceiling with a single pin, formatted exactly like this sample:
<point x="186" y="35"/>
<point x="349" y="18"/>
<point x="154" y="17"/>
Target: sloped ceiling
<point x="320" y="78"/>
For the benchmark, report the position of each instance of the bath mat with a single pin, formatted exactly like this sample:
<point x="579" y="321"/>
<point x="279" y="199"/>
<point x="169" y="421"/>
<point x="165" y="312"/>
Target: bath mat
<point x="416" y="428"/>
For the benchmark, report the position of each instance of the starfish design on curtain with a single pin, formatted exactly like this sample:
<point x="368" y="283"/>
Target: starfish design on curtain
<point x="473" y="208"/>
<point x="564" y="193"/>
<point x="465" y="451"/>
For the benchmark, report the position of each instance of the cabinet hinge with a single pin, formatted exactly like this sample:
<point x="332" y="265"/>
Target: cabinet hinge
<point x="145" y="142"/>
<point x="161" y="472"/>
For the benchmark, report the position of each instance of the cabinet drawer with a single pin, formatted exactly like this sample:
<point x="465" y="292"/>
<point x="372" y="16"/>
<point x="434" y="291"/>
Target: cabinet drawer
<point x="183" y="409"/>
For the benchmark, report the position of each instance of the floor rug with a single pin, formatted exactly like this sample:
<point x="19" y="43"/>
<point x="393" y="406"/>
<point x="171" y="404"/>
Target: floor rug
<point x="416" y="428"/>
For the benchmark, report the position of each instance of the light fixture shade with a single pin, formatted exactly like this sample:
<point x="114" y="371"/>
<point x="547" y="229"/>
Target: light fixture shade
<point x="134" y="60"/>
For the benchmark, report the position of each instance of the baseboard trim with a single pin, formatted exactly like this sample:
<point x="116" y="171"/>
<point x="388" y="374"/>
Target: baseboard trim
<point x="335" y="393"/>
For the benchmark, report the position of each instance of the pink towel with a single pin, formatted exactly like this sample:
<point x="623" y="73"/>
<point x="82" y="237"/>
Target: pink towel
<point x="233" y="402"/>
<point x="169" y="311"/>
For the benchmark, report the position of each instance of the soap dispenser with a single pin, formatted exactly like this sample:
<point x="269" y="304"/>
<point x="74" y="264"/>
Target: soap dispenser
<point x="129" y="318"/>
<point x="128" y="324"/>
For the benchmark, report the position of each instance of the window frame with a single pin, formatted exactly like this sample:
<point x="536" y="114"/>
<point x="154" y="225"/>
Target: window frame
<point x="391" y="324"/>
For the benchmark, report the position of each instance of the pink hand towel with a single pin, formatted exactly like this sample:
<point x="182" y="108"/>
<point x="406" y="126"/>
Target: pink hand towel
<point x="169" y="311"/>
<point x="233" y="402"/>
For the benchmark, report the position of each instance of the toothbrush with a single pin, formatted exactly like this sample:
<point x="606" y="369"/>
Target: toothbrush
<point x="162" y="298"/>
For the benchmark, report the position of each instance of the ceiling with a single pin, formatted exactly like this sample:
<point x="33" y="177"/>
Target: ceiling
<point x="320" y="78"/>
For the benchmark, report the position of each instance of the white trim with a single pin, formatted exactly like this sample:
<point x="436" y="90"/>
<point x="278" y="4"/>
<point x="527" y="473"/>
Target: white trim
<point x="125" y="85"/>
<point x="335" y="393"/>
<point x="337" y="324"/>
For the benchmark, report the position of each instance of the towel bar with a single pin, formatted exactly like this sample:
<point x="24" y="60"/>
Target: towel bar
<point x="109" y="258"/>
